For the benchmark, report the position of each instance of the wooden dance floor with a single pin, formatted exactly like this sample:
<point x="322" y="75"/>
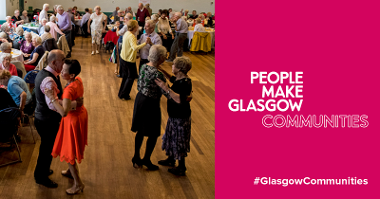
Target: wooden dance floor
<point x="107" y="168"/>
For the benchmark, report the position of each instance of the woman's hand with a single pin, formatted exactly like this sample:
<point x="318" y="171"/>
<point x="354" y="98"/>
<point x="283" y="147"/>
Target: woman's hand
<point x="164" y="36"/>
<point x="49" y="93"/>
<point x="161" y="84"/>
<point x="172" y="36"/>
<point x="88" y="30"/>
<point x="104" y="31"/>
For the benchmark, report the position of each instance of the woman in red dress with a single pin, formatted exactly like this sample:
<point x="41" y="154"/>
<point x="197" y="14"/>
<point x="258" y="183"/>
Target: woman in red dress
<point x="72" y="135"/>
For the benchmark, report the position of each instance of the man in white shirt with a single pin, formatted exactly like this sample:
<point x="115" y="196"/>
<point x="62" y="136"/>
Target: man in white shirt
<point x="43" y="13"/>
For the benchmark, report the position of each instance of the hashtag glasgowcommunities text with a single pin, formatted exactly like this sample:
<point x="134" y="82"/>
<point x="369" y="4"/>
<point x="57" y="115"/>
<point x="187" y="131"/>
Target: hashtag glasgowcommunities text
<point x="309" y="181"/>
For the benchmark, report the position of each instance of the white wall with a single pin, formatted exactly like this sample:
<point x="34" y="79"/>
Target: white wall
<point x="3" y="9"/>
<point x="7" y="9"/>
<point x="110" y="5"/>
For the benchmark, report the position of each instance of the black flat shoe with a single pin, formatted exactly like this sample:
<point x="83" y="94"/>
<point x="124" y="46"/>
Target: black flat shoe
<point x="136" y="162"/>
<point x="47" y="183"/>
<point x="149" y="165"/>
<point x="167" y="162"/>
<point x="178" y="171"/>
<point x="50" y="172"/>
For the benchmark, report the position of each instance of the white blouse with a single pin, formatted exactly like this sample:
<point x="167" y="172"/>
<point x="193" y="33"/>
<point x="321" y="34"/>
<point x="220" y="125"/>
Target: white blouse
<point x="163" y="26"/>
<point x="97" y="23"/>
<point x="199" y="28"/>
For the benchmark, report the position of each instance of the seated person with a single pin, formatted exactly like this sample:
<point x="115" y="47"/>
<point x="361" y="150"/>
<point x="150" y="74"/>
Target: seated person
<point x="6" y="100"/>
<point x="117" y="25"/>
<point x="198" y="25"/>
<point x="194" y="16"/>
<point x="26" y="45"/>
<point x="5" y="63"/>
<point x="24" y="17"/>
<point x="118" y="17"/>
<point x="18" y="90"/>
<point x="41" y="29"/>
<point x="46" y="34"/>
<point x="36" y="55"/>
<point x="16" y="18"/>
<point x="4" y="34"/>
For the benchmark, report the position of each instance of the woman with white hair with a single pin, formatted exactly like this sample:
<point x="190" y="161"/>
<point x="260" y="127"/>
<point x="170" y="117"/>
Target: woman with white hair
<point x="176" y="140"/>
<point x="42" y="27"/>
<point x="26" y="45"/>
<point x="36" y="55"/>
<point x="147" y="112"/>
<point x="4" y="37"/>
<point x="5" y="63"/>
<point x="44" y="13"/>
<point x="16" y="18"/>
<point x="199" y="27"/>
<point x="24" y="17"/>
<point x="155" y="18"/>
<point x="98" y="26"/>
<point x="54" y="28"/>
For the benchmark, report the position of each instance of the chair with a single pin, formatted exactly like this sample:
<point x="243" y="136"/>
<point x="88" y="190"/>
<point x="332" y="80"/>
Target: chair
<point x="201" y="42"/>
<point x="9" y="123"/>
<point x="30" y="77"/>
<point x="50" y="44"/>
<point x="20" y="65"/>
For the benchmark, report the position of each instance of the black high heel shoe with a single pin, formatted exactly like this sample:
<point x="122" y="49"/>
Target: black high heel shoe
<point x="136" y="162"/>
<point x="149" y="164"/>
<point x="167" y="162"/>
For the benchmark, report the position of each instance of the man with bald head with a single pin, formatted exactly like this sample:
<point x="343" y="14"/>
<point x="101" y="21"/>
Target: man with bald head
<point x="142" y="13"/>
<point x="129" y="10"/>
<point x="47" y="119"/>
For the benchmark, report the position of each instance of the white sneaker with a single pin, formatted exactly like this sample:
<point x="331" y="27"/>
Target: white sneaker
<point x="97" y="52"/>
<point x="92" y="53"/>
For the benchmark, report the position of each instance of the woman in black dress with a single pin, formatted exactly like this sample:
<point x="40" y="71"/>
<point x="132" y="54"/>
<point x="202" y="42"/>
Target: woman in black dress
<point x="147" y="112"/>
<point x="176" y="140"/>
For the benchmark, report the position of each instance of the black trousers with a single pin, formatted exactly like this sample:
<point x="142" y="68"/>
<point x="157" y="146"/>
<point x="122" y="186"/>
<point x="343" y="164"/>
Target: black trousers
<point x="48" y="131"/>
<point x="129" y="72"/>
<point x="142" y="62"/>
<point x="167" y="43"/>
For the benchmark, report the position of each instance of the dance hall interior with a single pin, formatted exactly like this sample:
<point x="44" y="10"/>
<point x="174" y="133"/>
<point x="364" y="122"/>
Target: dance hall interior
<point x="107" y="99"/>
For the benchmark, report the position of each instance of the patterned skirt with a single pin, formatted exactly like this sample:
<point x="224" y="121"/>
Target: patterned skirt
<point x="96" y="36"/>
<point x="176" y="140"/>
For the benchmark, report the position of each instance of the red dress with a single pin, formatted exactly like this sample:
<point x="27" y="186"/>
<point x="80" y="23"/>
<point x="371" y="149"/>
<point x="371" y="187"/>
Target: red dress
<point x="72" y="135"/>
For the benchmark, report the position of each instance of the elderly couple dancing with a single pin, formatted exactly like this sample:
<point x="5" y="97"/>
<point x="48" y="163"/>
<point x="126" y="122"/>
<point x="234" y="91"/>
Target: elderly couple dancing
<point x="60" y="120"/>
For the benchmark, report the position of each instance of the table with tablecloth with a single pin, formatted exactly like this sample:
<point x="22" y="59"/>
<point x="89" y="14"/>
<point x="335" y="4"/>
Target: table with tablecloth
<point x="30" y="27"/>
<point x="190" y="35"/>
<point x="111" y="36"/>
<point x="16" y="55"/>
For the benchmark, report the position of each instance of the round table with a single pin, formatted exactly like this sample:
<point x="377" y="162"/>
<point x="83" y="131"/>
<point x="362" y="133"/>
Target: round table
<point x="190" y="34"/>
<point x="16" y="55"/>
<point x="29" y="26"/>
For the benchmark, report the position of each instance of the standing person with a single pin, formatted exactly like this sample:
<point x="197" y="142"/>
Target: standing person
<point x="155" y="40"/>
<point x="98" y="26"/>
<point x="85" y="19"/>
<point x="73" y="31"/>
<point x="181" y="29"/>
<point x="47" y="119"/>
<point x="129" y="10"/>
<point x="142" y="13"/>
<point x="114" y="13"/>
<point x="71" y="139"/>
<point x="170" y="11"/>
<point x="165" y="30"/>
<point x="64" y="22"/>
<point x="147" y="6"/>
<point x="120" y="31"/>
<point x="147" y="112"/>
<point x="54" y="28"/>
<point x="55" y="11"/>
<point x="128" y="59"/>
<point x="44" y="13"/>
<point x="176" y="140"/>
<point x="194" y="15"/>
